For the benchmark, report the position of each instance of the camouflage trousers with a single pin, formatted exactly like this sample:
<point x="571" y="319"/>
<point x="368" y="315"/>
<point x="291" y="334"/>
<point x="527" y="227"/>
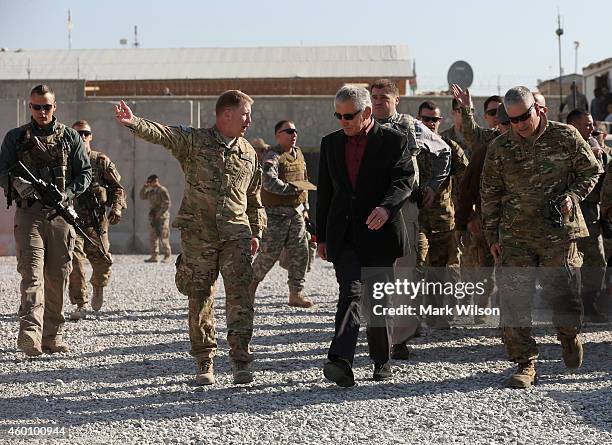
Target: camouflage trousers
<point x="557" y="268"/>
<point x="101" y="270"/>
<point x="159" y="233"/>
<point x="196" y="276"/>
<point x="593" y="270"/>
<point x="438" y="261"/>
<point x="44" y="255"/>
<point x="284" y="231"/>
<point x="478" y="266"/>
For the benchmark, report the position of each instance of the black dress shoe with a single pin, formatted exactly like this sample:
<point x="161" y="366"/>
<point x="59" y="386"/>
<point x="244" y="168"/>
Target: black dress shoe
<point x="400" y="352"/>
<point x="339" y="371"/>
<point x="382" y="371"/>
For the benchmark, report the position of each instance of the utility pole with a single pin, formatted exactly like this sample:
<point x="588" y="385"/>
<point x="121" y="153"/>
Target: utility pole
<point x="559" y="33"/>
<point x="69" y="30"/>
<point x="576" y="45"/>
<point x="136" y="43"/>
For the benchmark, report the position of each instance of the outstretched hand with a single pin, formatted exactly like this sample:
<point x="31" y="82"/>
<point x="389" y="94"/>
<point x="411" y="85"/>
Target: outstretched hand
<point x="123" y="114"/>
<point x="463" y="97"/>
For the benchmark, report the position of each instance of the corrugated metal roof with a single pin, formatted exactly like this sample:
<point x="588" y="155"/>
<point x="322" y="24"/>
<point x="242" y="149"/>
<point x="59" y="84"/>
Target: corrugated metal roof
<point x="208" y="63"/>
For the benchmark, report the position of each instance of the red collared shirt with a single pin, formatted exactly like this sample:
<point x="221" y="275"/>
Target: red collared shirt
<point x="353" y="152"/>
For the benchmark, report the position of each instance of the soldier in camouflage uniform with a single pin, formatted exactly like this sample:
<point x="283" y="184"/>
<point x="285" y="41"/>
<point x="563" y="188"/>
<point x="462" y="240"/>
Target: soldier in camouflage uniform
<point x="477" y="261"/>
<point x="385" y="98"/>
<point x="533" y="180"/>
<point x="55" y="154"/>
<point x="437" y="252"/>
<point x="104" y="191"/>
<point x="159" y="218"/>
<point x="221" y="220"/>
<point x="593" y="271"/>
<point x="286" y="208"/>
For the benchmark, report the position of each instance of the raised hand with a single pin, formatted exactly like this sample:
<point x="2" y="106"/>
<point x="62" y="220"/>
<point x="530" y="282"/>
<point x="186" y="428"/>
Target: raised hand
<point x="123" y="114"/>
<point x="463" y="97"/>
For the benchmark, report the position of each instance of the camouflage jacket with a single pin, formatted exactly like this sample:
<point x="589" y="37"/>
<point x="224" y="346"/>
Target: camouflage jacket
<point x="105" y="186"/>
<point x="476" y="136"/>
<point x="440" y="216"/>
<point x="159" y="200"/>
<point x="606" y="194"/>
<point x="457" y="136"/>
<point x="520" y="176"/>
<point x="222" y="180"/>
<point x="421" y="138"/>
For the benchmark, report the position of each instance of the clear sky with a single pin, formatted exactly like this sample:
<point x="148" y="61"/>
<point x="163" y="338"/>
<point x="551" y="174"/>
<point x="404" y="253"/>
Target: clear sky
<point x="512" y="41"/>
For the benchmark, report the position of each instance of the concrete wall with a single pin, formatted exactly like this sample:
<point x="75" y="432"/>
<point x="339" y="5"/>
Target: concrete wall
<point x="136" y="159"/>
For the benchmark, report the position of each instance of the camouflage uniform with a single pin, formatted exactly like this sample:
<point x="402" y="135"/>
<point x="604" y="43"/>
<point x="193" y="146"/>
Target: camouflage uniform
<point x="220" y="213"/>
<point x="104" y="191"/>
<point x="284" y="207"/>
<point x="477" y="262"/>
<point x="437" y="248"/>
<point x="420" y="139"/>
<point x="159" y="219"/>
<point x="44" y="248"/>
<point x="594" y="264"/>
<point x="519" y="177"/>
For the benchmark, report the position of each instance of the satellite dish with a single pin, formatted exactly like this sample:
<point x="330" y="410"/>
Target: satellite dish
<point x="460" y="73"/>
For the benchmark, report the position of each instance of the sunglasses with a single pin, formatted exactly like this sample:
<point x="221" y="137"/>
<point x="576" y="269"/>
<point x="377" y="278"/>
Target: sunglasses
<point x="289" y="131"/>
<point x="46" y="107"/>
<point x="431" y="118"/>
<point x="347" y="116"/>
<point x="84" y="132"/>
<point x="523" y="117"/>
<point x="492" y="112"/>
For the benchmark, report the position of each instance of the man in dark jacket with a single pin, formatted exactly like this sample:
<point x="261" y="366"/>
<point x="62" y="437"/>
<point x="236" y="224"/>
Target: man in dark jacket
<point x="365" y="176"/>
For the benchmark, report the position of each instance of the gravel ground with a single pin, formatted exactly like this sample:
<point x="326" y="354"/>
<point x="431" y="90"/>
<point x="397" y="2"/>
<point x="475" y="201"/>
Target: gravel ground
<point x="129" y="377"/>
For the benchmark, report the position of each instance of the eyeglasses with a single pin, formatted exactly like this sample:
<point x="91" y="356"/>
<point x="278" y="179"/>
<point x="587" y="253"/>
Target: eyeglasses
<point x="289" y="131"/>
<point x="431" y="118"/>
<point x="492" y="112"/>
<point x="84" y="133"/>
<point x="347" y="116"/>
<point x="523" y="117"/>
<point x="46" y="107"/>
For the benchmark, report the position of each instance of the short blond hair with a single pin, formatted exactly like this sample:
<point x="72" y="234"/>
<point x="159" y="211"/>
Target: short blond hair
<point x="231" y="99"/>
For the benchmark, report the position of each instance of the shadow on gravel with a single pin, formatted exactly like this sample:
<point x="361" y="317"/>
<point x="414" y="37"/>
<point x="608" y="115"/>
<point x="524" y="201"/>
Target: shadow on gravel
<point x="147" y="314"/>
<point x="260" y="399"/>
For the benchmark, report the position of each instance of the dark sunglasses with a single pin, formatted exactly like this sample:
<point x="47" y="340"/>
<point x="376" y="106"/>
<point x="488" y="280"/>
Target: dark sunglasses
<point x="431" y="118"/>
<point x="347" y="116"/>
<point x="46" y="107"/>
<point x="84" y="132"/>
<point x="523" y="117"/>
<point x="492" y="112"/>
<point x="289" y="131"/>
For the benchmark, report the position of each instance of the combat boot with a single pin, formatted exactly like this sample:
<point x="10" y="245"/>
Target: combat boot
<point x="79" y="314"/>
<point x="524" y="377"/>
<point x="167" y="259"/>
<point x="241" y="372"/>
<point x="55" y="346"/>
<point x="297" y="299"/>
<point x="152" y="259"/>
<point x="572" y="351"/>
<point x="205" y="374"/>
<point x="28" y="345"/>
<point x="98" y="298"/>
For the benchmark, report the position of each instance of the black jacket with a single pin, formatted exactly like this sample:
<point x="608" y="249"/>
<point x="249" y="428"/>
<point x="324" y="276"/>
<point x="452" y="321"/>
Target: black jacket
<point x="385" y="178"/>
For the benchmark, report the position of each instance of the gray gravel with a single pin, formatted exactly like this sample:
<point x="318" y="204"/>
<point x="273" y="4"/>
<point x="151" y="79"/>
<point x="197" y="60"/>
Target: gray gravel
<point x="129" y="377"/>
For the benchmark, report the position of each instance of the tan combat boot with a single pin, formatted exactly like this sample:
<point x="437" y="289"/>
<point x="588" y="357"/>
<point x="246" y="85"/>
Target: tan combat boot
<point x="152" y="259"/>
<point x="205" y="374"/>
<point x="524" y="377"/>
<point x="98" y="298"/>
<point x="297" y="299"/>
<point x="167" y="259"/>
<point x="28" y="345"/>
<point x="572" y="351"/>
<point x="79" y="314"/>
<point x="54" y="346"/>
<point x="241" y="372"/>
